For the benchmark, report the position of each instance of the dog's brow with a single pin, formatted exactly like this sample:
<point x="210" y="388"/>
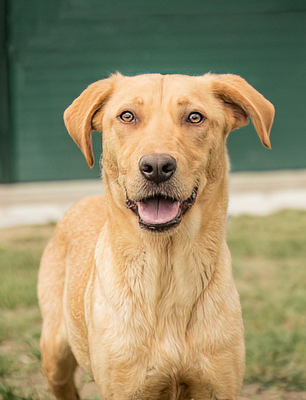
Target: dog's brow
<point x="134" y="102"/>
<point x="183" y="102"/>
<point x="138" y="100"/>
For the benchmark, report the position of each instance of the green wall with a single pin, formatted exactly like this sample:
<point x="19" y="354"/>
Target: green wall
<point x="56" y="48"/>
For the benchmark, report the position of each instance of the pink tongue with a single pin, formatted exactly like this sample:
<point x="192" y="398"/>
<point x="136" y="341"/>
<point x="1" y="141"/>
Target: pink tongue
<point x="158" y="210"/>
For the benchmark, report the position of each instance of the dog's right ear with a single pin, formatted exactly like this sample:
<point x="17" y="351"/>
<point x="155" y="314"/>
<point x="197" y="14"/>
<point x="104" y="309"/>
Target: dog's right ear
<point x="83" y="116"/>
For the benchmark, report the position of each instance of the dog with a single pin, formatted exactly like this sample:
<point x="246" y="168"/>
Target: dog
<point x="136" y="287"/>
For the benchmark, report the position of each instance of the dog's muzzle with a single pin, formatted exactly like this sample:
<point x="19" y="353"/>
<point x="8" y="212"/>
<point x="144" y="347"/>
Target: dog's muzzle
<point x="159" y="212"/>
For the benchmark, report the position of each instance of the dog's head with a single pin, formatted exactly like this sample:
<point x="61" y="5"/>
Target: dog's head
<point x="164" y="137"/>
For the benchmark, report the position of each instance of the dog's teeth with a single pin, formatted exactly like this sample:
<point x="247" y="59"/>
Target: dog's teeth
<point x="129" y="203"/>
<point x="194" y="194"/>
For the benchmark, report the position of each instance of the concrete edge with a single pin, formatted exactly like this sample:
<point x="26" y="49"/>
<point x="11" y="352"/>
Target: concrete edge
<point x="257" y="193"/>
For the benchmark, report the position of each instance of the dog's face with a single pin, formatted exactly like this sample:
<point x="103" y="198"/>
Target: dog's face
<point x="164" y="137"/>
<point x="157" y="139"/>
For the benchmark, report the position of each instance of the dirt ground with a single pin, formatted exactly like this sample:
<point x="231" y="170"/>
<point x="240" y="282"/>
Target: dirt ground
<point x="255" y="392"/>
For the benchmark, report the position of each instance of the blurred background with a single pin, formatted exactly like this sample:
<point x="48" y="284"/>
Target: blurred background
<point x="52" y="50"/>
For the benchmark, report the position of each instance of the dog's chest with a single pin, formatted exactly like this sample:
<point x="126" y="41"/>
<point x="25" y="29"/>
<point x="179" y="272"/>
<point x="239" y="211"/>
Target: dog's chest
<point x="142" y="313"/>
<point x="159" y="359"/>
<point x="148" y="318"/>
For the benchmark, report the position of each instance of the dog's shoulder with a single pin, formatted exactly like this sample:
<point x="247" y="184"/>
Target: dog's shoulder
<point x="83" y="221"/>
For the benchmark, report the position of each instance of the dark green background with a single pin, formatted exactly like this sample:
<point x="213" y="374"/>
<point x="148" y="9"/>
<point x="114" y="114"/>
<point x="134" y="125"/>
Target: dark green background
<point x="51" y="50"/>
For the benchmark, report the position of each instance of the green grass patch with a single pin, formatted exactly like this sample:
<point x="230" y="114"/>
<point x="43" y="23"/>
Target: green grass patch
<point x="19" y="274"/>
<point x="269" y="257"/>
<point x="20" y="253"/>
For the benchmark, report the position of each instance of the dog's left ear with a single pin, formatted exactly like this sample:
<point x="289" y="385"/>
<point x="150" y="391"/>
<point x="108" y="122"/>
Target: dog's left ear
<point x="244" y="102"/>
<point x="83" y="116"/>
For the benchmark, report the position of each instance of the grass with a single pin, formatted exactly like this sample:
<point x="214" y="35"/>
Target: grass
<point x="20" y="252"/>
<point x="269" y="256"/>
<point x="20" y="369"/>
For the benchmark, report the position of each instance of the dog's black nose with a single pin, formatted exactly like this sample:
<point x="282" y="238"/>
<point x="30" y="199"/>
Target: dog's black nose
<point x="157" y="167"/>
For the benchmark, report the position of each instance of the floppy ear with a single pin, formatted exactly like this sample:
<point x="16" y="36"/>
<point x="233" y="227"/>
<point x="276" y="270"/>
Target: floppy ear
<point x="245" y="102"/>
<point x="82" y="116"/>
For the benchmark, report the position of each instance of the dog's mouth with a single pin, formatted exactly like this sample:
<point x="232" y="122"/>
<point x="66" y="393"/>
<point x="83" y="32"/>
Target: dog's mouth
<point x="161" y="212"/>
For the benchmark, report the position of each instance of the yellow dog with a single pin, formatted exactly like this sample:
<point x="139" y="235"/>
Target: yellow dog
<point x="136" y="287"/>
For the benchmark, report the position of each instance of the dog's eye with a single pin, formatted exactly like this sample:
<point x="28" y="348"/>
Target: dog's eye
<point x="195" y="118"/>
<point x="127" y="116"/>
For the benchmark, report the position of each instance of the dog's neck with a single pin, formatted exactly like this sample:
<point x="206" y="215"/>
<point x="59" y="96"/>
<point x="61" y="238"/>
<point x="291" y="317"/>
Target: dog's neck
<point x="167" y="270"/>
